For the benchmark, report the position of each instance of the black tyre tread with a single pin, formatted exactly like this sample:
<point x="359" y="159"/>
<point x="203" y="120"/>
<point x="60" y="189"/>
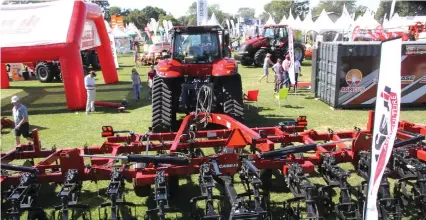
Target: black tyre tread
<point x="295" y="44"/>
<point x="51" y="71"/>
<point x="246" y="63"/>
<point x="233" y="97"/>
<point x="259" y="57"/>
<point x="163" y="111"/>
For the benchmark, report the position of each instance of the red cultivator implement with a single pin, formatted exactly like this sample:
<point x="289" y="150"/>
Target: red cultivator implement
<point x="160" y="159"/>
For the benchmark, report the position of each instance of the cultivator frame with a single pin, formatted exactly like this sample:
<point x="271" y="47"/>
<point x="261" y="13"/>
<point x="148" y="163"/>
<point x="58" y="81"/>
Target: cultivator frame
<point x="159" y="159"/>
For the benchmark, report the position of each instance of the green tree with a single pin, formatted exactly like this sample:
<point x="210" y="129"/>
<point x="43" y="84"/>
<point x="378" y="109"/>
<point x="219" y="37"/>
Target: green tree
<point x="301" y="8"/>
<point x="138" y="18"/>
<point x="334" y="6"/>
<point x="168" y="17"/>
<point x="182" y="20"/>
<point x="246" y="12"/>
<point x="278" y="9"/>
<point x="153" y="12"/>
<point x="403" y="8"/>
<point x="263" y="17"/>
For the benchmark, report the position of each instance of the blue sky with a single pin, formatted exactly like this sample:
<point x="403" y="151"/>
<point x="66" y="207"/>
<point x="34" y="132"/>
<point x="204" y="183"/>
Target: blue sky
<point x="180" y="7"/>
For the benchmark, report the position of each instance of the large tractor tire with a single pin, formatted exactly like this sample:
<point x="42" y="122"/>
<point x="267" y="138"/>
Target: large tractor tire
<point x="46" y="72"/>
<point x="299" y="52"/>
<point x="163" y="105"/>
<point x="233" y="97"/>
<point x="246" y="63"/>
<point x="94" y="60"/>
<point x="259" y="57"/>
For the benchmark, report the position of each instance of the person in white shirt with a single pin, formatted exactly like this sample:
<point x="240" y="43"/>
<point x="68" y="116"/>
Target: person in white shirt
<point x="89" y="83"/>
<point x="286" y="66"/>
<point x="297" y="70"/>
<point x="266" y="64"/>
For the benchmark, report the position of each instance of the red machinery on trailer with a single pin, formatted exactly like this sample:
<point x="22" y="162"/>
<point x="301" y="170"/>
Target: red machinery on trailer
<point x="180" y="154"/>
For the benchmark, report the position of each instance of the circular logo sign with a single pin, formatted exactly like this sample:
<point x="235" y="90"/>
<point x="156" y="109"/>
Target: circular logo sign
<point x="353" y="77"/>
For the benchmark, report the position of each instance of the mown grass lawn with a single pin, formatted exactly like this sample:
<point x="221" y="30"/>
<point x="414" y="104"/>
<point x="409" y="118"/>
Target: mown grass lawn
<point x="62" y="128"/>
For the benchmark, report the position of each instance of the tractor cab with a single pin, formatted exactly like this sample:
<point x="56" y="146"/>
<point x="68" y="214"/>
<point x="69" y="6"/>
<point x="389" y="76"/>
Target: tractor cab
<point x="278" y="36"/>
<point x="199" y="44"/>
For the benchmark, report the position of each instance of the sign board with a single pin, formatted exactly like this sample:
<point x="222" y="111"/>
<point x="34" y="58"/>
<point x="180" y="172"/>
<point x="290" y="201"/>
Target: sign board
<point x="46" y="23"/>
<point x="202" y="12"/>
<point x="90" y="36"/>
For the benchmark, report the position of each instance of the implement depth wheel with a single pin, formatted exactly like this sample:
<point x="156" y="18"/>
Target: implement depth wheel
<point x="163" y="108"/>
<point x="232" y="99"/>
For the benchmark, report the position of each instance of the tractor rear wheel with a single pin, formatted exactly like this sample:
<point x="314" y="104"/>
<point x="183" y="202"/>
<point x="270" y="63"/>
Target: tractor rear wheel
<point x="259" y="57"/>
<point x="233" y="97"/>
<point x="46" y="71"/>
<point x="246" y="63"/>
<point x="163" y="106"/>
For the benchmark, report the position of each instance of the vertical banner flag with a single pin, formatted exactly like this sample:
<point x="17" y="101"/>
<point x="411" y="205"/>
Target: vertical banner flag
<point x="202" y="12"/>
<point x="114" y="51"/>
<point x="385" y="119"/>
<point x="291" y="54"/>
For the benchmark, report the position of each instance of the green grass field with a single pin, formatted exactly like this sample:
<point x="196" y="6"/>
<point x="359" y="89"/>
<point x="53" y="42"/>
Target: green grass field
<point x="62" y="128"/>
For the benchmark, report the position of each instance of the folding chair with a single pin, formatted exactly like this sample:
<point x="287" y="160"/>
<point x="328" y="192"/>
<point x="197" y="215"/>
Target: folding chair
<point x="251" y="97"/>
<point x="282" y="94"/>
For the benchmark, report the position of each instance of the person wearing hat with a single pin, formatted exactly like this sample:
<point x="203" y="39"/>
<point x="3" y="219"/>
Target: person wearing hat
<point x="136" y="83"/>
<point x="151" y="75"/>
<point x="89" y="84"/>
<point x="20" y="116"/>
<point x="266" y="64"/>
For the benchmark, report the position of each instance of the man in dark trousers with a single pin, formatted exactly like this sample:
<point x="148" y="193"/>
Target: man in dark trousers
<point x="20" y="116"/>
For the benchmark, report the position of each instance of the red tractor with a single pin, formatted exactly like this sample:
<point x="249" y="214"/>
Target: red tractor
<point x="197" y="76"/>
<point x="47" y="71"/>
<point x="274" y="40"/>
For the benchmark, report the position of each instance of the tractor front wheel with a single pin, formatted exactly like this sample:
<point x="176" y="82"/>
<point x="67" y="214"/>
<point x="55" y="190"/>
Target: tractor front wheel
<point x="259" y="57"/>
<point x="299" y="52"/>
<point x="45" y="71"/>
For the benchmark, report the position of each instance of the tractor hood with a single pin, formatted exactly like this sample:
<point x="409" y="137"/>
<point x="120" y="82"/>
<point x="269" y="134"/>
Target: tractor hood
<point x="253" y="44"/>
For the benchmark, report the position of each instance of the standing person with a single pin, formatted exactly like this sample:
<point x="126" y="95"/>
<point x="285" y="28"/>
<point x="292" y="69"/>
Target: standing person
<point x="286" y="66"/>
<point x="136" y="83"/>
<point x="279" y="75"/>
<point x="266" y="64"/>
<point x="297" y="70"/>
<point x="135" y="57"/>
<point x="20" y="116"/>
<point x="151" y="75"/>
<point x="89" y="83"/>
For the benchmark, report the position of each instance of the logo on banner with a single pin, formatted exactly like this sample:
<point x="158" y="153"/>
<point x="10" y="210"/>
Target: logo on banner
<point x="88" y="39"/>
<point x="423" y="79"/>
<point x="407" y="79"/>
<point x="353" y="79"/>
<point x="388" y="123"/>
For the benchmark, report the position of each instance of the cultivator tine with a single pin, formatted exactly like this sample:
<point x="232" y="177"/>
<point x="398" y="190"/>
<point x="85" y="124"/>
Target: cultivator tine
<point x="206" y="183"/>
<point x="23" y="197"/>
<point x="303" y="190"/>
<point x="387" y="205"/>
<point x="69" y="194"/>
<point x="336" y="177"/>
<point x="160" y="196"/>
<point x="115" y="192"/>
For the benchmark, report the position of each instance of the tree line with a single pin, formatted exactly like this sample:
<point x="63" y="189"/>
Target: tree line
<point x="141" y="17"/>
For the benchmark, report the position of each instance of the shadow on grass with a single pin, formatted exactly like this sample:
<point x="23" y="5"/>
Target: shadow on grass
<point x="51" y="100"/>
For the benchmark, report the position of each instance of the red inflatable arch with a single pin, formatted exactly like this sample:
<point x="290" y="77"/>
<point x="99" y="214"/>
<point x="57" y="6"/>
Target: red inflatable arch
<point x="65" y="47"/>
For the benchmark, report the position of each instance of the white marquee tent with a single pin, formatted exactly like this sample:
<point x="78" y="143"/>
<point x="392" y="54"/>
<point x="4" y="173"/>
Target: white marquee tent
<point x="324" y="23"/>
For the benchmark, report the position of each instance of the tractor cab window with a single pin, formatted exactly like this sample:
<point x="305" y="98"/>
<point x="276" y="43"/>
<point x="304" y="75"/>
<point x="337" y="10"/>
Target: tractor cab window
<point x="269" y="33"/>
<point x="196" y="47"/>
<point x="283" y="34"/>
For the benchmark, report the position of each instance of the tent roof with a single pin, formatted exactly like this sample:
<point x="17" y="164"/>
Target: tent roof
<point x="324" y="23"/>
<point x="367" y="21"/>
<point x="345" y="22"/>
<point x="308" y="24"/>
<point x="118" y="33"/>
<point x="270" y="20"/>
